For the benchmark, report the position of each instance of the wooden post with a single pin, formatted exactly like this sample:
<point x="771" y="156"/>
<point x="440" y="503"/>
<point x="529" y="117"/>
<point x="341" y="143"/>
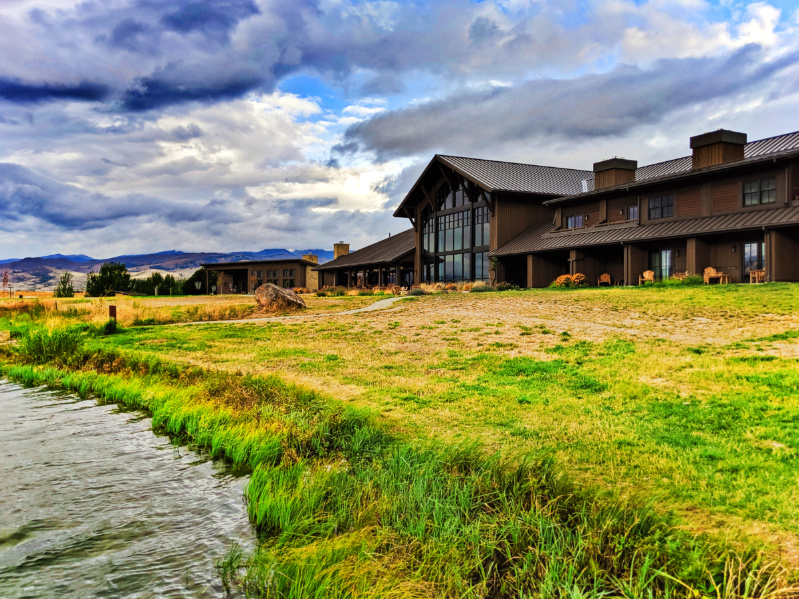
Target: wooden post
<point x="380" y="276"/>
<point x="207" y="286"/>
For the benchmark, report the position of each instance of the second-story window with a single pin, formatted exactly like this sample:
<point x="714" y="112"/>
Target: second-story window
<point x="661" y="207"/>
<point x="574" y="222"/>
<point x="760" y="191"/>
<point x="288" y="272"/>
<point x="632" y="212"/>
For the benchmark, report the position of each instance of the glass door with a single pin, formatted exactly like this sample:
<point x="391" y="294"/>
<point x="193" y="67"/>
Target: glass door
<point x="754" y="256"/>
<point x="660" y="263"/>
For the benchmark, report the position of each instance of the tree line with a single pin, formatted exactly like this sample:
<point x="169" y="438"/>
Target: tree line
<point x="114" y="277"/>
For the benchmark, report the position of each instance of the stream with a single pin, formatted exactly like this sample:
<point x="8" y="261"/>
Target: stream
<point x="93" y="503"/>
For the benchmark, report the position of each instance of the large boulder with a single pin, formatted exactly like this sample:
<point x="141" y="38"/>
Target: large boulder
<point x="276" y="299"/>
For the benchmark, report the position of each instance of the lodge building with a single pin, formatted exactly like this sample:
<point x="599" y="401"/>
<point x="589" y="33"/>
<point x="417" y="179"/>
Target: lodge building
<point x="731" y="205"/>
<point x="246" y="276"/>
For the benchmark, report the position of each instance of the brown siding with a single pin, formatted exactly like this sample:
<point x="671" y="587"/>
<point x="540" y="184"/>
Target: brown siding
<point x="793" y="194"/>
<point x="514" y="214"/>
<point x="725" y="197"/>
<point x="782" y="247"/>
<point x="717" y="154"/>
<point x="613" y="176"/>
<point x="590" y="210"/>
<point x="689" y="203"/>
<point x="617" y="209"/>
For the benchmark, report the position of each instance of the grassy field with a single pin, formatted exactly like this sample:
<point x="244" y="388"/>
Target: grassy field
<point x="685" y="399"/>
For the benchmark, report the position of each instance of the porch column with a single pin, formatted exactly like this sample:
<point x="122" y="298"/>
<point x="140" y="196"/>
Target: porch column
<point x="379" y="276"/>
<point x="697" y="256"/>
<point x="540" y="271"/>
<point x="634" y="264"/>
<point x="207" y="289"/>
<point x="782" y="248"/>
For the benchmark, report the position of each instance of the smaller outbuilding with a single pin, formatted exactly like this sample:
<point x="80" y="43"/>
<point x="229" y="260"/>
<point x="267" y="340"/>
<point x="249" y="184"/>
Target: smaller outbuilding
<point x="249" y="275"/>
<point x="387" y="262"/>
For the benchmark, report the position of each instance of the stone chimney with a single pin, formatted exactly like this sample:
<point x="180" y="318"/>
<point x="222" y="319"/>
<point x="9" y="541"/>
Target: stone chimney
<point x="340" y="249"/>
<point x="311" y="258"/>
<point x="717" y="147"/>
<point x="615" y="171"/>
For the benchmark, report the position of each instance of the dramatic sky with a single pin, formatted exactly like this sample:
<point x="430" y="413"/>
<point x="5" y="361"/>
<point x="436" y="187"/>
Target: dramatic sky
<point x="146" y="125"/>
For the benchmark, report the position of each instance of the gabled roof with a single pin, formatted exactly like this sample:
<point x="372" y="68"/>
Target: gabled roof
<point x="543" y="237"/>
<point x="755" y="151"/>
<point x="387" y="251"/>
<point x="512" y="177"/>
<point x="494" y="175"/>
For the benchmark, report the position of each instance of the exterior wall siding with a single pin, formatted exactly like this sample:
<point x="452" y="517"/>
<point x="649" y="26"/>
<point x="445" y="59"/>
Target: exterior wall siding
<point x="726" y="197"/>
<point x="689" y="203"/>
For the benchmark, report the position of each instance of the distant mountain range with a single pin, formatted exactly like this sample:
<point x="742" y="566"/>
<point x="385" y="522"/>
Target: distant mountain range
<point x="43" y="271"/>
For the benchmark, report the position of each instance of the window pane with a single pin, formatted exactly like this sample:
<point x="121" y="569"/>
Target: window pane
<point x="667" y="206"/>
<point x="632" y="213"/>
<point x="441" y="269"/>
<point x="467" y="271"/>
<point x="768" y="191"/>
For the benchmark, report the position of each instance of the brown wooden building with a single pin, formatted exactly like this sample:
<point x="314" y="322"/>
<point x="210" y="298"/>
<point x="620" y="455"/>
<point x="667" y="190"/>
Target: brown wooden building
<point x="731" y="205"/>
<point x="247" y="276"/>
<point x="464" y="208"/>
<point x="387" y="262"/>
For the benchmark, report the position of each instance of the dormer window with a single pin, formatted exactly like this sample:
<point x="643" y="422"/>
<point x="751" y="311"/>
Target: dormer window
<point x="574" y="222"/>
<point x="760" y="191"/>
<point x="661" y="207"/>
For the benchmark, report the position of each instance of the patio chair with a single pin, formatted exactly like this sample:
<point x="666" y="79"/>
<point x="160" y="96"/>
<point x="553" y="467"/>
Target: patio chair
<point x="604" y="279"/>
<point x="647" y="277"/>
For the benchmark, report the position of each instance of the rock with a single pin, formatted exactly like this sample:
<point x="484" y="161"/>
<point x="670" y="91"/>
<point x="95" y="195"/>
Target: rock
<point x="275" y="299"/>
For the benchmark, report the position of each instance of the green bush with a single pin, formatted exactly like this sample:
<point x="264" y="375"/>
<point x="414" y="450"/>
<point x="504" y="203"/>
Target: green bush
<point x="113" y="277"/>
<point x="59" y="346"/>
<point x="321" y="294"/>
<point x="482" y="289"/>
<point x="366" y="292"/>
<point x="415" y="292"/>
<point x="507" y="287"/>
<point x="64" y="287"/>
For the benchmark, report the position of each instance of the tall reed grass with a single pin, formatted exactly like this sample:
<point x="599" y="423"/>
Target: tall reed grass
<point x="344" y="508"/>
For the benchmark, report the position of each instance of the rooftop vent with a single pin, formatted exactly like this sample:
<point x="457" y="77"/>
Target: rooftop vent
<point x="615" y="171"/>
<point x="717" y="147"/>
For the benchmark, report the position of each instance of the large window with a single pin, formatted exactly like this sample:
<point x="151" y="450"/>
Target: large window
<point x="574" y="222"/>
<point x="289" y="283"/>
<point x="661" y="207"/>
<point x="760" y="191"/>
<point x="272" y="274"/>
<point x="481" y="263"/>
<point x="482" y="226"/>
<point x="632" y="212"/>
<point x="429" y="234"/>
<point x="454" y="231"/>
<point x="660" y="263"/>
<point x="288" y="272"/>
<point x="455" y="267"/>
<point x="754" y="256"/>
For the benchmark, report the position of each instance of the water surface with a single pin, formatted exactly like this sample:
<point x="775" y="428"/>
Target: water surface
<point x="94" y="504"/>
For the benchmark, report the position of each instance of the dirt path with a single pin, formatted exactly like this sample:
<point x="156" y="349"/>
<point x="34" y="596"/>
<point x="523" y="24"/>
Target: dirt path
<point x="378" y="305"/>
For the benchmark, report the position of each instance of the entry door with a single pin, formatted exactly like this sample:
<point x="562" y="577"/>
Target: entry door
<point x="660" y="263"/>
<point x="754" y="256"/>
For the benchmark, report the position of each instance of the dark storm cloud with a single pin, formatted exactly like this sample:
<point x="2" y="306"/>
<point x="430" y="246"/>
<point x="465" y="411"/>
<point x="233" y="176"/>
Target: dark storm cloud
<point x="157" y="92"/>
<point x="586" y="107"/>
<point x="21" y="92"/>
<point x="212" y="17"/>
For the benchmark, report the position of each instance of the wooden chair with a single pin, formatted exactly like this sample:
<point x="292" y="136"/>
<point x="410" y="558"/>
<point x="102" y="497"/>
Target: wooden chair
<point x="680" y="275"/>
<point x="711" y="274"/>
<point x="757" y="276"/>
<point x="648" y="276"/>
<point x="604" y="279"/>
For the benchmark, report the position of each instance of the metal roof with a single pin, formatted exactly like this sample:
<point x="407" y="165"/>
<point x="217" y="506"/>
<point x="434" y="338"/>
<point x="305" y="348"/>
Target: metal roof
<point x="543" y="237"/>
<point x="753" y="152"/>
<point x="494" y="175"/>
<point x="386" y="251"/>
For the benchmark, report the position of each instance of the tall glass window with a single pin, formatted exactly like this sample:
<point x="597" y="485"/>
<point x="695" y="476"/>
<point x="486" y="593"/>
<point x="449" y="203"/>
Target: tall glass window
<point x="760" y="191"/>
<point x="450" y="232"/>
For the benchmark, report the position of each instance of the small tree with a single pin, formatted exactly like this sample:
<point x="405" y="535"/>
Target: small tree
<point x="190" y="284"/>
<point x="113" y="276"/>
<point x="64" y="287"/>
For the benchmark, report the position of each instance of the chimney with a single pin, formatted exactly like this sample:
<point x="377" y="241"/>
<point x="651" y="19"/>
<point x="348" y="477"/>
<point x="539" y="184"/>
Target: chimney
<point x="311" y="258"/>
<point x="717" y="147"/>
<point x="340" y="249"/>
<point x="615" y="171"/>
